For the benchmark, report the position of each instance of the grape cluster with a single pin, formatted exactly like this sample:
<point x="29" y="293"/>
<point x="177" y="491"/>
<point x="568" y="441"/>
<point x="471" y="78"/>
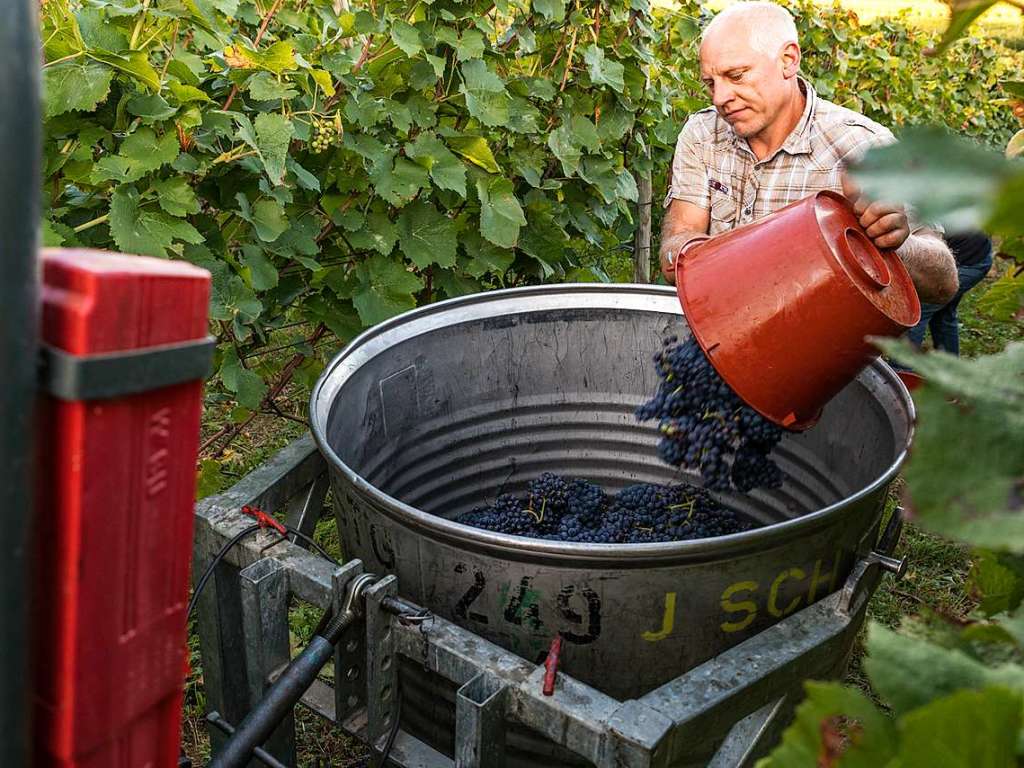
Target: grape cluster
<point x="705" y="426"/>
<point x="326" y="133"/>
<point x="559" y="509"/>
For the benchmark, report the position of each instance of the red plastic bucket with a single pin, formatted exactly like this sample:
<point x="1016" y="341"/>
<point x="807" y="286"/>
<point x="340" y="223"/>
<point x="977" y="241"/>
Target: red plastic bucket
<point x="782" y="306"/>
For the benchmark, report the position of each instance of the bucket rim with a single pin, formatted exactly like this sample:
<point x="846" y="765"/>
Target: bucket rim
<point x="621" y="554"/>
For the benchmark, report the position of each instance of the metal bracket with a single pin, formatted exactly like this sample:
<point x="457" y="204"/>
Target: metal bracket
<point x="113" y="374"/>
<point x="381" y="662"/>
<point x="866" y="571"/>
<point x="480" y="722"/>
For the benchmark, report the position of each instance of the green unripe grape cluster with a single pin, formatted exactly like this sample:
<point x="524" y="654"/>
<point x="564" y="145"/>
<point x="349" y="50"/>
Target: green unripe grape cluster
<point x="327" y="133"/>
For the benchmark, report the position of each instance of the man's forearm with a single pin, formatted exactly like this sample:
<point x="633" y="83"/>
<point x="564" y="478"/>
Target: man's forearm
<point x="671" y="244"/>
<point x="931" y="266"/>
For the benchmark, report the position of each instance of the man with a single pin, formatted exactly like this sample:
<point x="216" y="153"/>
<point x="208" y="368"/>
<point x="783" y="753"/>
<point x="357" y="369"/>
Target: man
<point x="769" y="141"/>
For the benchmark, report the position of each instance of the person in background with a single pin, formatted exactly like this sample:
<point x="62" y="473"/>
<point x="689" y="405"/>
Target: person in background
<point x="770" y="140"/>
<point x="973" y="254"/>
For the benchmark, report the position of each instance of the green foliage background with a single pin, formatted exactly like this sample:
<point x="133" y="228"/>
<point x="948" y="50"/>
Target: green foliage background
<point x="473" y="144"/>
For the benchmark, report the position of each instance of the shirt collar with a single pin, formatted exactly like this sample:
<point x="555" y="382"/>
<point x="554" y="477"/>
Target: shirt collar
<point x="799" y="140"/>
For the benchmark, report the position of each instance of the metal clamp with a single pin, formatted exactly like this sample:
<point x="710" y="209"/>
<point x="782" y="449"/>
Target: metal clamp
<point x="878" y="559"/>
<point x="114" y="374"/>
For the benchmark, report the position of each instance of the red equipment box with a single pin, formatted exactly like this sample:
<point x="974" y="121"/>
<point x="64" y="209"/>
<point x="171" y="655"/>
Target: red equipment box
<point x="127" y="351"/>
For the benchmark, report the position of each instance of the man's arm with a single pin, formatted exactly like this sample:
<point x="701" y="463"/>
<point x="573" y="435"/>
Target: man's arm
<point x="683" y="221"/>
<point x="931" y="266"/>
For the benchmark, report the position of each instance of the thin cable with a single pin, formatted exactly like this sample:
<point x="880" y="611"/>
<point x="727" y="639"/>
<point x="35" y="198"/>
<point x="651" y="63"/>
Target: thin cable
<point x="201" y="584"/>
<point x="309" y="540"/>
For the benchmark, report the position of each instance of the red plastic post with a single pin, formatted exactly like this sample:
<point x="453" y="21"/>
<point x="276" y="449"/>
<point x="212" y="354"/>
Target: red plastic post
<point x="551" y="665"/>
<point x="114" y="519"/>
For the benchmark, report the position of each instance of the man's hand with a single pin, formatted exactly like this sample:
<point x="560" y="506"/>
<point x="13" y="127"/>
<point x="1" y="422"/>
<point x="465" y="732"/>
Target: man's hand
<point x="885" y="223"/>
<point x="683" y="222"/>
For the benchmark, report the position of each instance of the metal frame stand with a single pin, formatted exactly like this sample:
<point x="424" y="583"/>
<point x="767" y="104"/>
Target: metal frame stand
<point x="243" y="630"/>
<point x="20" y="139"/>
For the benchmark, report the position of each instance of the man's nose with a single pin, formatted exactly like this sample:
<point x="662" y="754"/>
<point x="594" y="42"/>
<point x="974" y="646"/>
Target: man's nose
<point x="722" y="94"/>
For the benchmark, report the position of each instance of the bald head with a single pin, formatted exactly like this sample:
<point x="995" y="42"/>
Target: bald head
<point x="750" y="62"/>
<point x="766" y="27"/>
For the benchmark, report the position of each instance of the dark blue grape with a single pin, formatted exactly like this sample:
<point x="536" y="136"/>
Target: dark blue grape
<point x="705" y="426"/>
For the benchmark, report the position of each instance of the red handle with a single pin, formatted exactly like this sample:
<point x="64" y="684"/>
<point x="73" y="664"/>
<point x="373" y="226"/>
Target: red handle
<point x="551" y="665"/>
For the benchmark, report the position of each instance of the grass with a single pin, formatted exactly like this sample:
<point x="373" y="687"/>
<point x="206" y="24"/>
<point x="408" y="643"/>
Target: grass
<point x="935" y="584"/>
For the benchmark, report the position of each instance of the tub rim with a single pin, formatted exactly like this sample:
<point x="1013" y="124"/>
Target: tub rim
<point x="448" y="531"/>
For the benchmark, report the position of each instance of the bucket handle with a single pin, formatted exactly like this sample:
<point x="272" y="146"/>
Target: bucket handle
<point x="875" y="272"/>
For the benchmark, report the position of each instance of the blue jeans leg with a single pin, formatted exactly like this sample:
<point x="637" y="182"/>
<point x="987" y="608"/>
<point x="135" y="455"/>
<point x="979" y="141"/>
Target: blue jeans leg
<point x="943" y="320"/>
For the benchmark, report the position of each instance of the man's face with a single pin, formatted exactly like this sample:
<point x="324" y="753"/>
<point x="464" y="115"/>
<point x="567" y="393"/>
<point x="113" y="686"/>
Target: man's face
<point x="748" y="87"/>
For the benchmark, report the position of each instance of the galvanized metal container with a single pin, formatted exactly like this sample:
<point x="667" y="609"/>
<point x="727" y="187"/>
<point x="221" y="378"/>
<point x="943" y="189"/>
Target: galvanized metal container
<point x="440" y="409"/>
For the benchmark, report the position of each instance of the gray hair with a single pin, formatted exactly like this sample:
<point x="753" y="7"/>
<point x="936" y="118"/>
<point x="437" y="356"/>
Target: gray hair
<point x="770" y="25"/>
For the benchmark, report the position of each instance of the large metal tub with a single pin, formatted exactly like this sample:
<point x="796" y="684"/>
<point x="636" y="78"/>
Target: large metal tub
<point x="440" y="409"/>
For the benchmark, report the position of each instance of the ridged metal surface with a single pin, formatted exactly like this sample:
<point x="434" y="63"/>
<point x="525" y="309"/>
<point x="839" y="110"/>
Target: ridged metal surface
<point x="441" y="409"/>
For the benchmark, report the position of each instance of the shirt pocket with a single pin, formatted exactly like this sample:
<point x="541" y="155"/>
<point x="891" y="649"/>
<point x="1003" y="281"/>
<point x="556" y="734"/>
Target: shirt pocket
<point x="723" y="214"/>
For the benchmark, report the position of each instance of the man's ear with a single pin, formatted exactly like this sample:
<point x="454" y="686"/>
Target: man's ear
<point x="790" y="57"/>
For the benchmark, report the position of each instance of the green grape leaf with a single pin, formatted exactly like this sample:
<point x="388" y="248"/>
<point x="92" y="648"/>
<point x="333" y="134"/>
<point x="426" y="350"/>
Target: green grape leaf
<point x="263" y="86"/>
<point x="564" y="147"/>
<point x="603" y="70"/>
<point x="273" y="135"/>
<point x="187" y="94"/>
<point x="543" y="239"/>
<point x="143" y="231"/>
<point x="476" y="150"/>
<point x="141" y="153"/>
<point x="176" y="196"/>
<point x="446" y="170"/>
<point x="870" y="736"/>
<point x="962" y="477"/>
<point x="998" y="579"/>
<point x="552" y="10"/>
<point x="437" y="63"/>
<point x="946" y="179"/>
<point x="599" y="172"/>
<point x="406" y="37"/>
<point x="277" y="58"/>
<point x="895" y="661"/>
<point x="524" y="117"/>
<point x="501" y="216"/>
<point x="379" y="233"/>
<point x="1003" y="298"/>
<point x="269" y="219"/>
<point x="426" y="236"/>
<point x="248" y="387"/>
<point x="626" y="187"/>
<point x="262" y="273"/>
<point x="210" y="479"/>
<point x="485" y="257"/>
<point x="136" y="64"/>
<point x="455" y="284"/>
<point x="151" y="108"/>
<point x="469" y="46"/>
<point x="386" y="289"/>
<point x="976" y="728"/>
<point x="74" y="86"/>
<point x="398" y="184"/>
<point x="486" y="97"/>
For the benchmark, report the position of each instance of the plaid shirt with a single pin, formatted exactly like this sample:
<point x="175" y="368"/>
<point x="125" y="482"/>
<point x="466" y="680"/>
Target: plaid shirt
<point x="715" y="169"/>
